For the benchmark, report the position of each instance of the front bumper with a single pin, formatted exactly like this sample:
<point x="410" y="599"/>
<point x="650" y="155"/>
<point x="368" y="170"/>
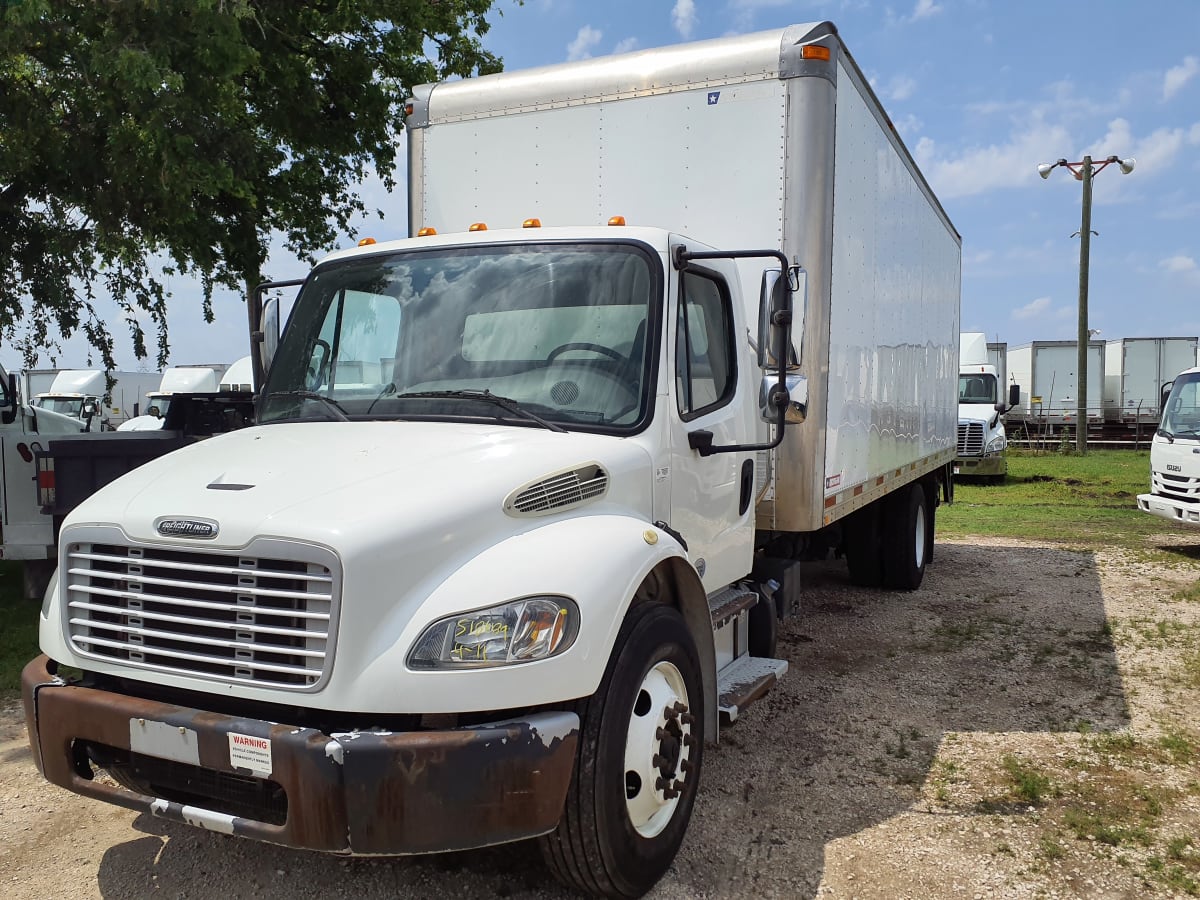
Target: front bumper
<point x="365" y="792"/>
<point x="996" y="464"/>
<point x="1175" y="510"/>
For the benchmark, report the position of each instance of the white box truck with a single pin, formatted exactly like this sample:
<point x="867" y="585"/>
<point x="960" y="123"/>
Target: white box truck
<point x="1135" y="372"/>
<point x="1046" y="371"/>
<point x="26" y="534"/>
<point x="981" y="402"/>
<point x="514" y="530"/>
<point x="1175" y="454"/>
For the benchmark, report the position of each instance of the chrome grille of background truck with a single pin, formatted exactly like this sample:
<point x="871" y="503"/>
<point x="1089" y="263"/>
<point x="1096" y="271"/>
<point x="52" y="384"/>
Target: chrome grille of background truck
<point x="226" y="616"/>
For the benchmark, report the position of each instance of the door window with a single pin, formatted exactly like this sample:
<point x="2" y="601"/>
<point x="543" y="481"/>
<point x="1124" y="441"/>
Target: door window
<point x="705" y="370"/>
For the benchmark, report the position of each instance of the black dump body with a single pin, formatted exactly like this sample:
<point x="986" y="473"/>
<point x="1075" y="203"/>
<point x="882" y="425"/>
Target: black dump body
<point x="84" y="463"/>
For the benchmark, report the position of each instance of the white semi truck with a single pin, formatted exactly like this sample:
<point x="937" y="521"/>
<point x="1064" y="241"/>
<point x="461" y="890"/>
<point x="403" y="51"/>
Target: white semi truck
<point x="523" y="505"/>
<point x="981" y="437"/>
<point x="199" y="379"/>
<point x="1175" y="454"/>
<point x="84" y="394"/>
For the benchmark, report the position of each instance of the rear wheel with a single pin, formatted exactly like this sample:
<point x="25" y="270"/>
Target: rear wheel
<point x="640" y="750"/>
<point x="906" y="539"/>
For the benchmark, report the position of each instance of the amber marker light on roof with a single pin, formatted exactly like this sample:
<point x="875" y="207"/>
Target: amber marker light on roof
<point x="532" y="223"/>
<point x="478" y="226"/>
<point x="366" y="242"/>
<point x="617" y="220"/>
<point x="815" y="51"/>
<point x="427" y="232"/>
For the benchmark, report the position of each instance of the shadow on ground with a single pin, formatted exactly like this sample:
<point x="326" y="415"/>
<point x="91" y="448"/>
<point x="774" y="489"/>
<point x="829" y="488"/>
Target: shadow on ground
<point x="1000" y="639"/>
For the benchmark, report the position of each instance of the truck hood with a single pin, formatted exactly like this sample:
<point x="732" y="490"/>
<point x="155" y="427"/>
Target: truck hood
<point x="976" y="412"/>
<point x="359" y="486"/>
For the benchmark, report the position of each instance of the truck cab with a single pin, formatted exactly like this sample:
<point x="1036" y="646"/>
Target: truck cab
<point x="981" y="435"/>
<point x="1175" y="455"/>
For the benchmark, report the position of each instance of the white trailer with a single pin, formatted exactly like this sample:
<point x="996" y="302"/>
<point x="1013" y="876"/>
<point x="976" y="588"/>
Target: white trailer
<point x="524" y="505"/>
<point x="1175" y="455"/>
<point x="35" y="381"/>
<point x="1046" y="371"/>
<point x="1135" y="373"/>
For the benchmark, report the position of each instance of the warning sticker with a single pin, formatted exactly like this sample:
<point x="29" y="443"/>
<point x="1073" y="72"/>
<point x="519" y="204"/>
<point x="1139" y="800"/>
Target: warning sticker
<point x="249" y="752"/>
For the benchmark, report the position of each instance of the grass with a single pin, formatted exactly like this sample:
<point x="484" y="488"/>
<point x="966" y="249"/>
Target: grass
<point x="1084" y="501"/>
<point x="18" y="628"/>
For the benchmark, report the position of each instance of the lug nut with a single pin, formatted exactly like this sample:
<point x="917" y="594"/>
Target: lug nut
<point x="687" y="719"/>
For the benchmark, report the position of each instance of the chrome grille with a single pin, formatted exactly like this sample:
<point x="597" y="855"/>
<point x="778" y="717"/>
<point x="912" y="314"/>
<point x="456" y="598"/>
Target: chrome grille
<point x="227" y="616"/>
<point x="559" y="491"/>
<point x="970" y="439"/>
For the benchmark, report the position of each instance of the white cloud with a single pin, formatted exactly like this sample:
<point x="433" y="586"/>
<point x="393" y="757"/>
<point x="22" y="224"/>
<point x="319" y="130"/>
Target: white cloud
<point x="978" y="170"/>
<point x="585" y="40"/>
<point x="909" y="126"/>
<point x="923" y="10"/>
<point x="900" y="88"/>
<point x="683" y="17"/>
<point x="1032" y="309"/>
<point x="1180" y="263"/>
<point x="627" y="45"/>
<point x="1178" y="76"/>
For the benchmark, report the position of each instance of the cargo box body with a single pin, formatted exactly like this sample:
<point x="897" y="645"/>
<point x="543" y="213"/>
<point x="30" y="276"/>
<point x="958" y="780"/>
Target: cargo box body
<point x="1046" y="372"/>
<point x="1135" y="371"/>
<point x="738" y="143"/>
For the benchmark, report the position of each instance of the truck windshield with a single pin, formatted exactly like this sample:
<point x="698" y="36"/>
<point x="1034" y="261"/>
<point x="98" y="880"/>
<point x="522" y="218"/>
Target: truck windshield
<point x="560" y="330"/>
<point x="68" y="406"/>
<point x="1181" y="414"/>
<point x="977" y="388"/>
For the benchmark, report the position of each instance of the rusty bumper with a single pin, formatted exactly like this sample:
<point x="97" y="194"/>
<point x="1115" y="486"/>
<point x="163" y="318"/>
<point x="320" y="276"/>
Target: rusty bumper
<point x="366" y="792"/>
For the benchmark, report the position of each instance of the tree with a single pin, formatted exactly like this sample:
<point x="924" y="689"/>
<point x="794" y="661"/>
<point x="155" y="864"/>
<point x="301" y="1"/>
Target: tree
<point x="145" y="138"/>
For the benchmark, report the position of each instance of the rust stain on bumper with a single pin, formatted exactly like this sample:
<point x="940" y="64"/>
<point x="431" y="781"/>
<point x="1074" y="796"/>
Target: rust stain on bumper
<point x="363" y="792"/>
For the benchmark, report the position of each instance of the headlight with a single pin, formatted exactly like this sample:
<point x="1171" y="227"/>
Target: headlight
<point x="515" y="632"/>
<point x="996" y="444"/>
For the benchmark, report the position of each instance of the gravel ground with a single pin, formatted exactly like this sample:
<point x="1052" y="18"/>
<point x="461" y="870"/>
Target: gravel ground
<point x="1024" y="725"/>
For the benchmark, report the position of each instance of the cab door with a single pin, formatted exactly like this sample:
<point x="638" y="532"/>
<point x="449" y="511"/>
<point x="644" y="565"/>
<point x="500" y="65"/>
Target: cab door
<point x="711" y="502"/>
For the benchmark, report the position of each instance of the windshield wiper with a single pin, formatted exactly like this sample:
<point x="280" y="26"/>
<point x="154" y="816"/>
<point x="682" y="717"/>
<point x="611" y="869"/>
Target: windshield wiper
<point x="330" y="404"/>
<point x="488" y="397"/>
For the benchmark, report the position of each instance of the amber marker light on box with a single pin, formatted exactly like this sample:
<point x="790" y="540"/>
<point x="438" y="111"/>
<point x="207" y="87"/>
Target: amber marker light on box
<point x="427" y="232"/>
<point x="617" y="220"/>
<point x="366" y="242"/>
<point x="478" y="226"/>
<point x="815" y="51"/>
<point x="532" y="223"/>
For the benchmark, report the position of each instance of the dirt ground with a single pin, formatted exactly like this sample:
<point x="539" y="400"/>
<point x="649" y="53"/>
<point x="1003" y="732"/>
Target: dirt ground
<point x="1027" y="724"/>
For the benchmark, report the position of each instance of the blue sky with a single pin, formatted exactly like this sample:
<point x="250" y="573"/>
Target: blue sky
<point x="981" y="91"/>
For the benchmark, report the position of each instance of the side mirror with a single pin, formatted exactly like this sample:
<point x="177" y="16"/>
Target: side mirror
<point x="89" y="413"/>
<point x="775" y="296"/>
<point x="796" y="410"/>
<point x="269" y="327"/>
<point x="11" y="404"/>
<point x="1014" y="395"/>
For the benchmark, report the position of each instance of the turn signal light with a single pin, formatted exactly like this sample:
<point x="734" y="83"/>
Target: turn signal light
<point x="814" y="51"/>
<point x="427" y="232"/>
<point x="478" y="226"/>
<point x="617" y="220"/>
<point x="532" y="223"/>
<point x="366" y="242"/>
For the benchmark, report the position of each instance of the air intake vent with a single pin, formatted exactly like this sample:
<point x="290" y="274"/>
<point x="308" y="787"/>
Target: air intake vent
<point x="558" y="492"/>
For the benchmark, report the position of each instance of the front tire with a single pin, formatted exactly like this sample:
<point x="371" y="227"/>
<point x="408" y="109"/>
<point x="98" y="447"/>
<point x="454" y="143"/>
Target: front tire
<point x="638" y="769"/>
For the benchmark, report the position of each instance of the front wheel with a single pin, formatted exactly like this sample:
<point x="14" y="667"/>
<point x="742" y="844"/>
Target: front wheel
<point x="638" y="769"/>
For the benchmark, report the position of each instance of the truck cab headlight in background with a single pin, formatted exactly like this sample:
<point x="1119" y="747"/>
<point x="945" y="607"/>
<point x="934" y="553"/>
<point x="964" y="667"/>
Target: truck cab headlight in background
<point x="997" y="444"/>
<point x="523" y="630"/>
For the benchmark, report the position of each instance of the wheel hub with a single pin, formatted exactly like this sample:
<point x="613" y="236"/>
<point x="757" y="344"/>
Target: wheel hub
<point x="658" y="749"/>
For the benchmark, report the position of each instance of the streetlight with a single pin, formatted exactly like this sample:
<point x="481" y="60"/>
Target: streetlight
<point x="1083" y="171"/>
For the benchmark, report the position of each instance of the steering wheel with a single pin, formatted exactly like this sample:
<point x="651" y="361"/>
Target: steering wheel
<point x="594" y="348"/>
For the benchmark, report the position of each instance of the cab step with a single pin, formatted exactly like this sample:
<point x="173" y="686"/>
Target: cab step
<point x="727" y="603"/>
<point x="744" y="681"/>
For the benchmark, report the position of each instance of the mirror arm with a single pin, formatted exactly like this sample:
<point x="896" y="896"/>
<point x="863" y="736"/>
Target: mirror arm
<point x="254" y="307"/>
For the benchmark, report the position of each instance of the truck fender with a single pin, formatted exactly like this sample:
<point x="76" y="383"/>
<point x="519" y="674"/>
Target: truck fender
<point x="603" y="563"/>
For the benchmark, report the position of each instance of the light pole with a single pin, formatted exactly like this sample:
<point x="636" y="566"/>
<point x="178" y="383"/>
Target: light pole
<point x="1083" y="171"/>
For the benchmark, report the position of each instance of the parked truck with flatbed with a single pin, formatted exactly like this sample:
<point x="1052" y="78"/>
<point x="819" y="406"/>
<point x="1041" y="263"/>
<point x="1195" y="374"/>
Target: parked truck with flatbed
<point x="523" y="506"/>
